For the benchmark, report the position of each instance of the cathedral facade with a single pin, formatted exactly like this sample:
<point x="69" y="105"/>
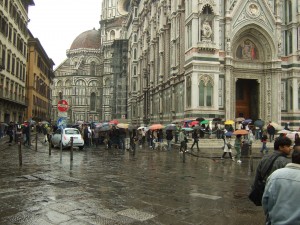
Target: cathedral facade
<point x="211" y="59"/>
<point x="162" y="61"/>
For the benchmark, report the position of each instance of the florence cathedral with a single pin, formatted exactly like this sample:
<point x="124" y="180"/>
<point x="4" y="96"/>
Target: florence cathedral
<point x="158" y="61"/>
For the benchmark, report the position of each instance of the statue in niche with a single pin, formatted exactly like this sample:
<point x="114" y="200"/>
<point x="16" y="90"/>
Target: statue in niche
<point x="206" y="31"/>
<point x="247" y="50"/>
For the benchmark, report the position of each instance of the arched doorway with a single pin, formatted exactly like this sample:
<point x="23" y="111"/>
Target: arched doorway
<point x="247" y="98"/>
<point x="253" y="52"/>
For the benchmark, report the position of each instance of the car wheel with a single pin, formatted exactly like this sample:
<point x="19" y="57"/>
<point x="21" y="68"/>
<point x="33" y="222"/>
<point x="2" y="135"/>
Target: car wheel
<point x="80" y="147"/>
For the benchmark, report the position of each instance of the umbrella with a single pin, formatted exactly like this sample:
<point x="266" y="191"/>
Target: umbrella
<point x="241" y="132"/>
<point x="105" y="128"/>
<point x="228" y="134"/>
<point x="193" y="123"/>
<point x="196" y="127"/>
<point x="292" y="135"/>
<point x="204" y="122"/>
<point x="123" y="125"/>
<point x="247" y="121"/>
<point x="44" y="122"/>
<point x="187" y="129"/>
<point x="229" y="122"/>
<point x="115" y="122"/>
<point x="217" y="119"/>
<point x="239" y="119"/>
<point x="284" y="132"/>
<point x="259" y="123"/>
<point x="171" y="127"/>
<point x="156" y="127"/>
<point x="200" y="119"/>
<point x="276" y="126"/>
<point x="4" y="124"/>
<point x="140" y="128"/>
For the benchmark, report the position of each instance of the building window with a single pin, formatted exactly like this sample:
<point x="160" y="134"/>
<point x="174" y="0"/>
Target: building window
<point x="93" y="102"/>
<point x="189" y="35"/>
<point x="290" y="11"/>
<point x="188" y="92"/>
<point x="221" y="92"/>
<point x="112" y="35"/>
<point x="205" y="93"/>
<point x="291" y="98"/>
<point x="93" y="68"/>
<point x="134" y="54"/>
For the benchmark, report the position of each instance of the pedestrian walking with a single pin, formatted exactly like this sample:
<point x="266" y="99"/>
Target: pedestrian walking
<point x="26" y="133"/>
<point x="264" y="139"/>
<point x="271" y="132"/>
<point x="169" y="137"/>
<point x="10" y="132"/>
<point x="227" y="148"/>
<point x="182" y="140"/>
<point x="281" y="195"/>
<point x="237" y="147"/>
<point x="195" y="137"/>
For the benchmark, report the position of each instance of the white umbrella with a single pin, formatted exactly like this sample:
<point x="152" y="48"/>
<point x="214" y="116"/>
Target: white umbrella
<point x="284" y="132"/>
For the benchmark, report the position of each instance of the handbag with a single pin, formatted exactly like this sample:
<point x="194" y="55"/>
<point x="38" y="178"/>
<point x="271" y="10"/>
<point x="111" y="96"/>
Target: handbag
<point x="257" y="191"/>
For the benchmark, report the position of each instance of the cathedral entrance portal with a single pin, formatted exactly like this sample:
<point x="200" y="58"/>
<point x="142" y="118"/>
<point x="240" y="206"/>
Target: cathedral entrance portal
<point x="247" y="99"/>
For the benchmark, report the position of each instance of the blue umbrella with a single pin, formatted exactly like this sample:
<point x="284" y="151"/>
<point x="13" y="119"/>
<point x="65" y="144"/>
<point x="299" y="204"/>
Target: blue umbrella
<point x="247" y="121"/>
<point x="228" y="134"/>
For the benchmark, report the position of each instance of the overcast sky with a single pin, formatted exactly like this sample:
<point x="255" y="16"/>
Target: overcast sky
<point x="56" y="23"/>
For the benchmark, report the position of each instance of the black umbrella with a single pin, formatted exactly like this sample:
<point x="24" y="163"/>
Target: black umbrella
<point x="259" y="123"/>
<point x="200" y="119"/>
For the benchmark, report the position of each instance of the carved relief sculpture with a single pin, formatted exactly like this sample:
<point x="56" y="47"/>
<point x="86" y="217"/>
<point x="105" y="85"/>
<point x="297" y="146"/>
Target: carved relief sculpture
<point x="206" y="31"/>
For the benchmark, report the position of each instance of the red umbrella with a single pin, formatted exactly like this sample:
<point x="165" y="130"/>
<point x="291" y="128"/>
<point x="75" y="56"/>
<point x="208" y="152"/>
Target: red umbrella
<point x="241" y="132"/>
<point x="194" y="123"/>
<point x="115" y="122"/>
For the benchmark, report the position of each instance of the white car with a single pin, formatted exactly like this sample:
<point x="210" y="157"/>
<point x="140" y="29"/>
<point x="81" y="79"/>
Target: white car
<point x="66" y="138"/>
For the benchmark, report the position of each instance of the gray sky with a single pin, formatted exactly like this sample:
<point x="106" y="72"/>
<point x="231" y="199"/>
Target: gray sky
<point x="56" y="23"/>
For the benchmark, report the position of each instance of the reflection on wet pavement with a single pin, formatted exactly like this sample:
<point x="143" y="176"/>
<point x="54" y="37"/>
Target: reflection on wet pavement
<point x="100" y="187"/>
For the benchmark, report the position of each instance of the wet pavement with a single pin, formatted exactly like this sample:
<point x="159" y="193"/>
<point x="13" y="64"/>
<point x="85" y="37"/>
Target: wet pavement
<point x="111" y="188"/>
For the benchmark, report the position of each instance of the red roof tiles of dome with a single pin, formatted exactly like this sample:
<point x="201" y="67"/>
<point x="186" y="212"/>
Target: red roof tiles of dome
<point x="87" y="39"/>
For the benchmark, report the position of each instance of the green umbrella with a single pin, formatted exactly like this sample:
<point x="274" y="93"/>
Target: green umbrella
<point x="204" y="122"/>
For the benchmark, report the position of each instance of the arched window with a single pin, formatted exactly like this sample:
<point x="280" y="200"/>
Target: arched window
<point x="93" y="68"/>
<point x="112" y="35"/>
<point x="80" y="92"/>
<point x="205" y="92"/>
<point x="93" y="102"/>
<point x="188" y="92"/>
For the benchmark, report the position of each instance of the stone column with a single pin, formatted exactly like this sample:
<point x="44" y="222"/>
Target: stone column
<point x="228" y="90"/>
<point x="276" y="96"/>
<point x="194" y="91"/>
<point x="295" y="95"/>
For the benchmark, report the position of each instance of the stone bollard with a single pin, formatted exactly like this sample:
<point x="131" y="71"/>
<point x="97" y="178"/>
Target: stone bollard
<point x="49" y="147"/>
<point x="20" y="150"/>
<point x="71" y="152"/>
<point x="36" y="140"/>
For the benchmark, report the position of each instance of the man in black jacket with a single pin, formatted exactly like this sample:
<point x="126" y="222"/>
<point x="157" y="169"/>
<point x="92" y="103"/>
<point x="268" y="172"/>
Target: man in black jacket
<point x="271" y="132"/>
<point x="282" y="148"/>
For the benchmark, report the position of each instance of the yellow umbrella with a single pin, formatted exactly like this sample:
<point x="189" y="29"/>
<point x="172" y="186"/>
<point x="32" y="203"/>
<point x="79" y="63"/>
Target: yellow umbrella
<point x="123" y="125"/>
<point x="229" y="122"/>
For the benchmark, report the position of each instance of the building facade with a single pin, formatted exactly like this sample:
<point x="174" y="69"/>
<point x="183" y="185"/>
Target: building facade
<point x="13" y="48"/>
<point x="39" y="80"/>
<point x="114" y="48"/>
<point x="212" y="58"/>
<point x="78" y="79"/>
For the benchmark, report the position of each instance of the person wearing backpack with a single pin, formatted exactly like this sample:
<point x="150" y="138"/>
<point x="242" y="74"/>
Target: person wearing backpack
<point x="268" y="164"/>
<point x="281" y="195"/>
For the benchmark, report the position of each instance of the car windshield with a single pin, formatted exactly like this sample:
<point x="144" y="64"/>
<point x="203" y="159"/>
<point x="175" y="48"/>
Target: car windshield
<point x="72" y="131"/>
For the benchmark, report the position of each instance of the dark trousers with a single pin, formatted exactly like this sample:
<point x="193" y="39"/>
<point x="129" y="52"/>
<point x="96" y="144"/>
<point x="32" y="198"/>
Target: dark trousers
<point x="195" y="142"/>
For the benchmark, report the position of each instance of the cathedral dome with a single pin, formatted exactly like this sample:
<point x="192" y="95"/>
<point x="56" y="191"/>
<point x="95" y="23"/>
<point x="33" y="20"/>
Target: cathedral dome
<point x="87" y="39"/>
